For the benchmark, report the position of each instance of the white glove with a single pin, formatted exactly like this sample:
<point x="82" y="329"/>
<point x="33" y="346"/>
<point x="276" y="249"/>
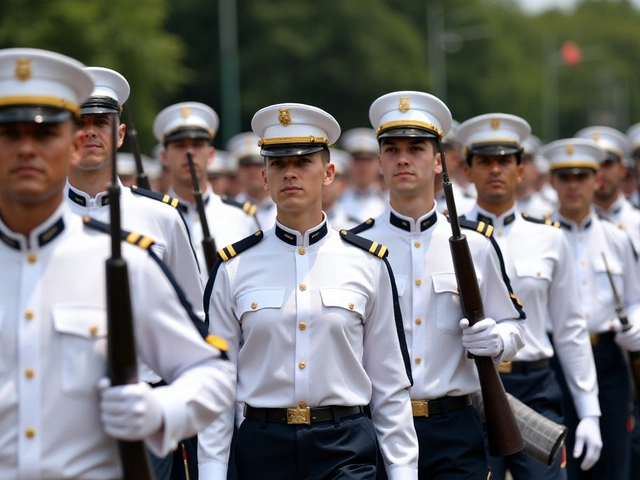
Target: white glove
<point x="483" y="339"/>
<point x="629" y="340"/>
<point x="129" y="412"/>
<point x="588" y="433"/>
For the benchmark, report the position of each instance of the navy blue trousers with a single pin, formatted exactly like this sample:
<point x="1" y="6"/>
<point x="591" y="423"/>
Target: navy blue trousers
<point x="321" y="451"/>
<point x="635" y="443"/>
<point x="615" y="403"/>
<point x="540" y="391"/>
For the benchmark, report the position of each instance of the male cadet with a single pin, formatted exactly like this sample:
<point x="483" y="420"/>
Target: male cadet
<point x="244" y="147"/>
<point x="55" y="420"/>
<point x="191" y="127"/>
<point x="633" y="148"/>
<point x="310" y="321"/>
<point x="409" y="125"/>
<point x="609" y="201"/>
<point x="574" y="164"/>
<point x="536" y="261"/>
<point x="529" y="200"/>
<point x="363" y="198"/>
<point x="218" y="172"/>
<point x="338" y="218"/>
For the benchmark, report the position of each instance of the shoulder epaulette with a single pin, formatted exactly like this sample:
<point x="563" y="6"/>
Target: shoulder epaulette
<point x="365" y="244"/>
<point x="247" y="207"/>
<point x="227" y="253"/>
<point x="366" y="225"/>
<point x="541" y="221"/>
<point x="133" y="238"/>
<point x="480" y="227"/>
<point x="169" y="200"/>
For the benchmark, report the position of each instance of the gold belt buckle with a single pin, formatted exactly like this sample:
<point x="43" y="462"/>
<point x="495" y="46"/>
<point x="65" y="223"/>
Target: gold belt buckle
<point x="420" y="408"/>
<point x="299" y="416"/>
<point x="505" y="367"/>
<point x="595" y="338"/>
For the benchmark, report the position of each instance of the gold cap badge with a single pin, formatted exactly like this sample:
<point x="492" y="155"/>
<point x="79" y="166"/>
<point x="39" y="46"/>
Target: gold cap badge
<point x="284" y="116"/>
<point x="23" y="69"/>
<point x="404" y="104"/>
<point x="596" y="136"/>
<point x="495" y="123"/>
<point x="185" y="112"/>
<point x="569" y="149"/>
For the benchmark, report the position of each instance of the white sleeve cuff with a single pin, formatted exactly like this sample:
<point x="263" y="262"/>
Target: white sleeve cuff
<point x="402" y="472"/>
<point x="174" y="416"/>
<point x="587" y="406"/>
<point x="212" y="471"/>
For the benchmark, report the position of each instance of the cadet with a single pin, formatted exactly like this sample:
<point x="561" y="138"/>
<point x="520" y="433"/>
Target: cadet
<point x="633" y="148"/>
<point x="54" y="420"/>
<point x="331" y="194"/>
<point x="574" y="164"/>
<point x="528" y="198"/>
<point x="409" y="126"/>
<point x="191" y="127"/>
<point x="609" y="201"/>
<point x="219" y="172"/>
<point x="310" y="320"/>
<point x="536" y="261"/>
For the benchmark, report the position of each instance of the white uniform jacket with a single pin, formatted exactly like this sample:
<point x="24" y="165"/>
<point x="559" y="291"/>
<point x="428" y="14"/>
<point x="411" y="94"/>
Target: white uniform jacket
<point x="623" y="214"/>
<point x="310" y="322"/>
<point x="421" y="259"/>
<point x="363" y="205"/>
<point x="535" y="205"/>
<point x="536" y="256"/>
<point x="53" y="349"/>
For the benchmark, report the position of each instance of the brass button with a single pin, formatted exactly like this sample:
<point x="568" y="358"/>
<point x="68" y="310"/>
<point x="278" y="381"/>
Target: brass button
<point x="32" y="258"/>
<point x="418" y="360"/>
<point x="416" y="244"/>
<point x="302" y="326"/>
<point x="586" y="317"/>
<point x="351" y="306"/>
<point x="30" y="433"/>
<point x="93" y="330"/>
<point x="29" y="373"/>
<point x="418" y="282"/>
<point x="28" y="315"/>
<point x="582" y="263"/>
<point x="580" y="239"/>
<point x="302" y="365"/>
<point x="584" y="282"/>
<point x="302" y="405"/>
<point x="537" y="274"/>
<point x="418" y="321"/>
<point x="254" y="305"/>
<point x="302" y="251"/>
<point x="499" y="234"/>
<point x="302" y="287"/>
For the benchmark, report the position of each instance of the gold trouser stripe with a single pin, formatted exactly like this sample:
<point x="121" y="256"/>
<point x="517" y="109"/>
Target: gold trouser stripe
<point x="223" y="255"/>
<point x="133" y="237"/>
<point x="166" y="199"/>
<point x="145" y="242"/>
<point x="174" y="202"/>
<point x="383" y="250"/>
<point x="489" y="230"/>
<point x="373" y="247"/>
<point x="231" y="251"/>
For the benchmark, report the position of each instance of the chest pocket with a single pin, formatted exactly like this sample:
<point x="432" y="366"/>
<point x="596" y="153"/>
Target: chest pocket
<point x="401" y="281"/>
<point x="82" y="333"/>
<point x="345" y="298"/>
<point x="536" y="270"/>
<point x="448" y="311"/>
<point x="604" y="291"/>
<point x="258" y="299"/>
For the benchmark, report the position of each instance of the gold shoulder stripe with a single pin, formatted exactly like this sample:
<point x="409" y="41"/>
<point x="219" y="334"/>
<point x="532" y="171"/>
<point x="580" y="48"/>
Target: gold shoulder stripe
<point x="174" y="202"/>
<point x="489" y="231"/>
<point x="373" y="247"/>
<point x="223" y="255"/>
<point x="253" y="209"/>
<point x="133" y="237"/>
<point x="382" y="251"/>
<point x="480" y="227"/>
<point x="231" y="250"/>
<point x="217" y="342"/>
<point x="145" y="242"/>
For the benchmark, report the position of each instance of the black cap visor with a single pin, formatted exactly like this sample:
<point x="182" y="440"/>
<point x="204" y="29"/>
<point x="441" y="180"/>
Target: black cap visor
<point x="250" y="160"/>
<point x="573" y="170"/>
<point x="33" y="114"/>
<point x="187" y="132"/>
<point x="493" y="149"/>
<point x="291" y="149"/>
<point x="100" y="105"/>
<point x="411" y="132"/>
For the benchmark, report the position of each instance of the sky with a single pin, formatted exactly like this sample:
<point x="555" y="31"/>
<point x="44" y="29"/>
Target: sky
<point x="536" y="6"/>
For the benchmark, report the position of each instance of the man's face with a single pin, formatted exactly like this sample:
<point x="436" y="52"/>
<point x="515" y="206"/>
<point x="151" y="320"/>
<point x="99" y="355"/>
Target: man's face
<point x="530" y="176"/>
<point x="363" y="171"/>
<point x="175" y="158"/>
<point x="453" y="155"/>
<point x="495" y="177"/>
<point x="408" y="165"/>
<point x="575" y="191"/>
<point x="35" y="159"/>
<point x="610" y="177"/>
<point x="296" y="182"/>
<point x="219" y="183"/>
<point x="97" y="149"/>
<point x="250" y="177"/>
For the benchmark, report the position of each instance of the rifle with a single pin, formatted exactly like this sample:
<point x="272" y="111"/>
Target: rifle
<point x="634" y="357"/>
<point x="121" y="345"/>
<point x="503" y="433"/>
<point x="143" y="179"/>
<point x="208" y="244"/>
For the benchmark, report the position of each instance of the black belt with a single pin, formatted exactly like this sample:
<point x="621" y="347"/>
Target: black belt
<point x="427" y="408"/>
<point x="300" y="416"/>
<point x="604" y="337"/>
<point x="523" y="367"/>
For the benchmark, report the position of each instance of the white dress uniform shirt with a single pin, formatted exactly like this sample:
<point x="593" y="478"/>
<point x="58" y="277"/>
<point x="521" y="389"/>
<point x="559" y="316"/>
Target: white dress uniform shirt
<point x="535" y="205"/>
<point x="536" y="259"/>
<point x="363" y="205"/>
<point x="310" y="322"/>
<point x="623" y="214"/>
<point x="588" y="241"/>
<point x="53" y="351"/>
<point x="227" y="223"/>
<point x="421" y="260"/>
<point x="265" y="211"/>
<point x="464" y="202"/>
<point x="160" y="222"/>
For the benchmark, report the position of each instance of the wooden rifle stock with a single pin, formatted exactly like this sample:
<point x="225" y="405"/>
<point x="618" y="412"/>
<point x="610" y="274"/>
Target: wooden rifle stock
<point x="208" y="244"/>
<point x="503" y="432"/>
<point x="121" y="349"/>
<point x="634" y="357"/>
<point x="143" y="179"/>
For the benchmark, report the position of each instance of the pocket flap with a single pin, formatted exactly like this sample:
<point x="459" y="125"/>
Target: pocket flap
<point x="258" y="299"/>
<point x="599" y="266"/>
<point x="533" y="269"/>
<point x="444" y="282"/>
<point x="344" y="298"/>
<point x="86" y="321"/>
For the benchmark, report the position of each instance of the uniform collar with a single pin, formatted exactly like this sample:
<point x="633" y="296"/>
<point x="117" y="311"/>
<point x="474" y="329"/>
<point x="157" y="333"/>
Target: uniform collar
<point x="615" y="208"/>
<point x="573" y="226"/>
<point x="409" y="225"/>
<point x="40" y="236"/>
<point x="479" y="214"/>
<point x="295" y="238"/>
<point x="184" y="205"/>
<point x="265" y="204"/>
<point x="83" y="199"/>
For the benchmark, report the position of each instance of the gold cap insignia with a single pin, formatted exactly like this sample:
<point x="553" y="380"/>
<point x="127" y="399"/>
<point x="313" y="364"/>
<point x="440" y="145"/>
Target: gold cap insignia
<point x="404" y="104"/>
<point x="185" y="112"/>
<point x="569" y="149"/>
<point x="596" y="136"/>
<point x="23" y="69"/>
<point x="495" y="123"/>
<point x="284" y="116"/>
